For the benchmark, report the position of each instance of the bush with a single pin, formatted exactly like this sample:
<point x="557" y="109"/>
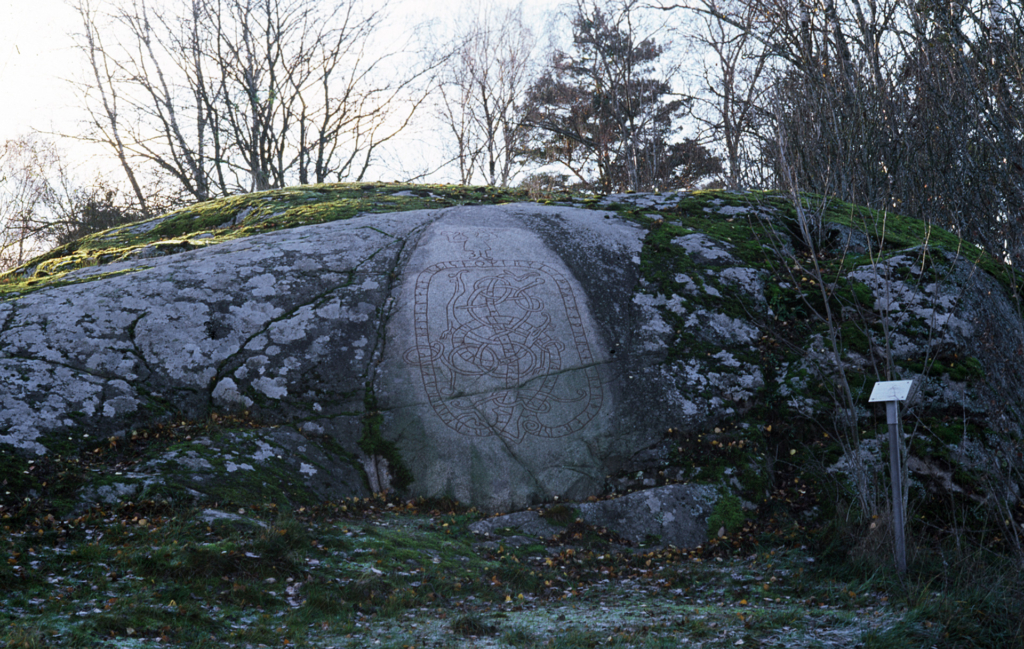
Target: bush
<point x="94" y="211"/>
<point x="727" y="514"/>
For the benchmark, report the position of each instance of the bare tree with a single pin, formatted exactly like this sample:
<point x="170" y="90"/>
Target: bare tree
<point x="729" y="101"/>
<point x="105" y="119"/>
<point x="42" y="204"/>
<point x="482" y="91"/>
<point x="914" y="107"/>
<point x="25" y="164"/>
<point x="895" y="104"/>
<point x="238" y="95"/>
<point x="75" y="209"/>
<point x="454" y="110"/>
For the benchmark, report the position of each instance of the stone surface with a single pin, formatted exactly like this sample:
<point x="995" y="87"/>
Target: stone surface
<point x="529" y="523"/>
<point x="211" y="516"/>
<point x="675" y="514"/>
<point x="282" y="325"/>
<point x="500" y="355"/>
<point x="499" y="375"/>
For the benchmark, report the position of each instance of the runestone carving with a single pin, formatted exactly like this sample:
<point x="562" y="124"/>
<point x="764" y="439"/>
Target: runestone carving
<point x="494" y="341"/>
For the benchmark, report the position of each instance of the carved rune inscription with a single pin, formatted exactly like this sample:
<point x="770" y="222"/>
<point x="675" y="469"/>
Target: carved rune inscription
<point x="493" y="339"/>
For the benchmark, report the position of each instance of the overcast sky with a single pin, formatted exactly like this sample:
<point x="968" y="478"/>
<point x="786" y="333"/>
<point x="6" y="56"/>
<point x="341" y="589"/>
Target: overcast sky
<point x="38" y="59"/>
<point x="35" y="57"/>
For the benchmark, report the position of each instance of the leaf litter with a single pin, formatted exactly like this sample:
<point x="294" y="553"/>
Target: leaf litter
<point x="379" y="572"/>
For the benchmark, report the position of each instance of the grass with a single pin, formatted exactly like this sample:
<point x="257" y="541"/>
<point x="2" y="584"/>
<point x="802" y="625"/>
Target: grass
<point x="472" y="625"/>
<point x="410" y="574"/>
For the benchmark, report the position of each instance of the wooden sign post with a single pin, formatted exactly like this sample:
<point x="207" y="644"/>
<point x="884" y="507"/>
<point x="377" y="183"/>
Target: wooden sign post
<point x="892" y="392"/>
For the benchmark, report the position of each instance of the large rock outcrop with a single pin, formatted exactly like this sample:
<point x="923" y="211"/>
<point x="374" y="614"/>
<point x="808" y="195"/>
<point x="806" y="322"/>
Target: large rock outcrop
<point x="503" y="355"/>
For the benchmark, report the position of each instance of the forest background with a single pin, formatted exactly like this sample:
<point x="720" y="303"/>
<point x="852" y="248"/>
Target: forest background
<point x="912" y="106"/>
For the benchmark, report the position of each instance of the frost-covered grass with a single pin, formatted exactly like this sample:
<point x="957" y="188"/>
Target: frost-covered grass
<point x="379" y="572"/>
<point x="403" y="574"/>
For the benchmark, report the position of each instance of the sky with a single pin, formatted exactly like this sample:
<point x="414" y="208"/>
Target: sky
<point x="38" y="61"/>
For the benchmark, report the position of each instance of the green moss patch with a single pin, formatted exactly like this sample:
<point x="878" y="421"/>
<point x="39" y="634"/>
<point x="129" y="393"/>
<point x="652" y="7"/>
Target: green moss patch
<point x="223" y="219"/>
<point x="373" y="444"/>
<point x="727" y="515"/>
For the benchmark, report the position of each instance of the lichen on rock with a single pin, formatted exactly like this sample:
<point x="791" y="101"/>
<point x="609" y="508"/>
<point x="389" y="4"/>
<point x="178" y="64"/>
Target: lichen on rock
<point x="430" y="340"/>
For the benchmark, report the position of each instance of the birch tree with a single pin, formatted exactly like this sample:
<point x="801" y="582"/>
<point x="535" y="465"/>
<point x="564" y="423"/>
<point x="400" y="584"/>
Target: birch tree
<point x="221" y="96"/>
<point x="482" y="91"/>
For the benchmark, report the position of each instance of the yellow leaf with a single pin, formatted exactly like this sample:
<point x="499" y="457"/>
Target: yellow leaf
<point x="508" y="599"/>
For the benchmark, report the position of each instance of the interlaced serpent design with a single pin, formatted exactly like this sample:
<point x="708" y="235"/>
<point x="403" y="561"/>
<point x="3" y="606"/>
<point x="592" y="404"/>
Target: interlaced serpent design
<point x="493" y="358"/>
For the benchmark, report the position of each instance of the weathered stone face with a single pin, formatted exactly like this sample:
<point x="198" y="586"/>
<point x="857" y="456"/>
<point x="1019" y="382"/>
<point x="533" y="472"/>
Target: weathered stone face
<point x="497" y="365"/>
<point x="282" y="325"/>
<point x="496" y="376"/>
<point x="674" y="515"/>
<point x="503" y="355"/>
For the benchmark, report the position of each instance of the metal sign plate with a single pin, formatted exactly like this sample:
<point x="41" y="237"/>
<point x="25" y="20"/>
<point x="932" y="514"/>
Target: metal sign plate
<point x="891" y="391"/>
